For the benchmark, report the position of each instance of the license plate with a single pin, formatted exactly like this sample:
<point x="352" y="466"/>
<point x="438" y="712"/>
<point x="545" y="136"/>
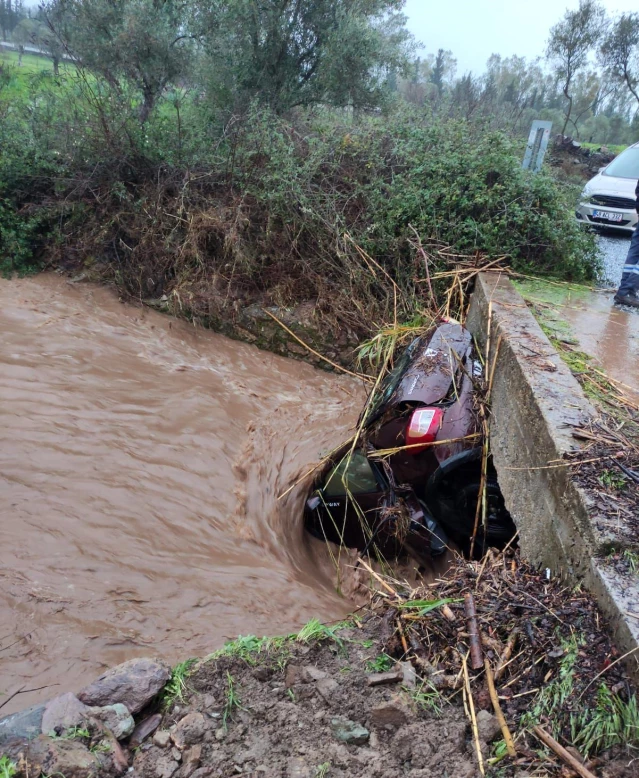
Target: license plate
<point x="611" y="217"/>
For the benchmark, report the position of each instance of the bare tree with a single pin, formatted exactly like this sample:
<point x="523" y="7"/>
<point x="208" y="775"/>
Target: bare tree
<point x="571" y="42"/>
<point x="620" y="52"/>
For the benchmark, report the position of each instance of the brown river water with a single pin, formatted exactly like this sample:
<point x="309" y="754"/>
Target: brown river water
<point x="141" y="460"/>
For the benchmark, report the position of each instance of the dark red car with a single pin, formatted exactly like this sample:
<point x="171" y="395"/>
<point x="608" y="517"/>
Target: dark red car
<point x="419" y="496"/>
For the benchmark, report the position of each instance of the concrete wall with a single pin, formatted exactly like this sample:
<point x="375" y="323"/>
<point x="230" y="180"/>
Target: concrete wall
<point x="536" y="404"/>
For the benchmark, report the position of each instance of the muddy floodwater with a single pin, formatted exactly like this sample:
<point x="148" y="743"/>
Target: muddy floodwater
<point x="141" y="461"/>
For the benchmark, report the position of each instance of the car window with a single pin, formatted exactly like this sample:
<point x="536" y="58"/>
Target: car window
<point x="626" y="165"/>
<point x="354" y="473"/>
<point x="391" y="382"/>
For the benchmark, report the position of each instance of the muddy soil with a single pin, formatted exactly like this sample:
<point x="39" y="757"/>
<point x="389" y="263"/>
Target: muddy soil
<point x="141" y="465"/>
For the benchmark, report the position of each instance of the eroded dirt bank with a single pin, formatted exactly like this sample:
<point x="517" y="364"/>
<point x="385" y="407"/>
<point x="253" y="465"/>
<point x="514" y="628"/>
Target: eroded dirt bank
<point x="140" y="465"/>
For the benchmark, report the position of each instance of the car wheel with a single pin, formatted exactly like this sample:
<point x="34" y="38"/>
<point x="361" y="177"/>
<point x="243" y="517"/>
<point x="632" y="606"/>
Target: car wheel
<point x="455" y="507"/>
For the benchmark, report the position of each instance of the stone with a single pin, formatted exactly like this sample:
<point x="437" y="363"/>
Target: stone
<point x="389" y="715"/>
<point x="314" y="673"/>
<point x="326" y="688"/>
<point x="118" y="758"/>
<point x="69" y="758"/>
<point x="380" y="679"/>
<point x="191" y="761"/>
<point x="25" y="725"/>
<point x="153" y="763"/>
<point x="176" y="754"/>
<point x="487" y="726"/>
<point x="409" y="676"/>
<point x="62" y="713"/>
<point x="134" y="683"/>
<point x="162" y="738"/>
<point x="144" y="730"/>
<point x="294" y="675"/>
<point x="189" y="730"/>
<point x="298" y="768"/>
<point x="350" y="732"/>
<point x="116" y="718"/>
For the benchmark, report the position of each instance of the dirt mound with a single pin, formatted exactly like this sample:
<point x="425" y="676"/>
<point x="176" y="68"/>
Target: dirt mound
<point x="576" y="159"/>
<point x="402" y="689"/>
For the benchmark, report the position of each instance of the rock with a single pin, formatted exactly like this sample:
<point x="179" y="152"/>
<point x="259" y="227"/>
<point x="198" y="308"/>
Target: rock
<point x="191" y="761"/>
<point x="154" y="763"/>
<point x="25" y="725"/>
<point x="487" y="726"/>
<point x="69" y="758"/>
<point x="298" y="768"/>
<point x="326" y="688"/>
<point x="380" y="679"/>
<point x="62" y="713"/>
<point x="350" y="732"/>
<point x="134" y="683"/>
<point x="314" y="673"/>
<point x="176" y="754"/>
<point x="409" y="676"/>
<point x="189" y="730"/>
<point x="116" y="718"/>
<point x="261" y="674"/>
<point x="162" y="738"/>
<point x="389" y="715"/>
<point x="145" y="729"/>
<point x="118" y="758"/>
<point x="294" y="674"/>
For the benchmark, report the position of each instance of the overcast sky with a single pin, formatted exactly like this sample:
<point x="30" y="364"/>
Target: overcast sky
<point x="475" y="29"/>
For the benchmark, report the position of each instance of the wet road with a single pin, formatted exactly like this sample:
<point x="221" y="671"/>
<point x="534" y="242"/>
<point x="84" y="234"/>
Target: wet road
<point x="141" y="462"/>
<point x="610" y="334"/>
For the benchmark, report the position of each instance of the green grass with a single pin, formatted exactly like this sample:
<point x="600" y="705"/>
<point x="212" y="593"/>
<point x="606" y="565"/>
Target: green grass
<point x="175" y="688"/>
<point x="427" y="698"/>
<point x="322" y="769"/>
<point x="612" y="722"/>
<point x="381" y="664"/>
<point x="548" y="703"/>
<point x="73" y="733"/>
<point x="614" y="149"/>
<point x="34" y="75"/>
<point x="632" y="558"/>
<point x="31" y="63"/>
<point x="232" y="700"/>
<point x="7" y="768"/>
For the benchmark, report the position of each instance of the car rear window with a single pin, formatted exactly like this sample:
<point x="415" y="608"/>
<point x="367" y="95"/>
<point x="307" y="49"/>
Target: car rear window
<point x="626" y="165"/>
<point x="354" y="473"/>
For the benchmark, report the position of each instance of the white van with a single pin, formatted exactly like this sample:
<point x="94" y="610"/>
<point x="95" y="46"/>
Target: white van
<point x="609" y="200"/>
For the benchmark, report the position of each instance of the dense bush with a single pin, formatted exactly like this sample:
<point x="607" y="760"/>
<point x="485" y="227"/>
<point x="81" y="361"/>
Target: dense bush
<point x="265" y="208"/>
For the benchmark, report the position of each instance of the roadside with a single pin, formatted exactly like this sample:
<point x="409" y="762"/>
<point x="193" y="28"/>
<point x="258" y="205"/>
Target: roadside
<point x="588" y="319"/>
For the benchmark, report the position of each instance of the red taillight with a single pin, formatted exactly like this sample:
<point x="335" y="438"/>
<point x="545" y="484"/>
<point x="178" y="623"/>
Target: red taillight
<point x="422" y="429"/>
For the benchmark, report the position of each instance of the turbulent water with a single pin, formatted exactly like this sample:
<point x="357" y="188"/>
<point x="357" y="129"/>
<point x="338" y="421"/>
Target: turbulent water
<point x="141" y="461"/>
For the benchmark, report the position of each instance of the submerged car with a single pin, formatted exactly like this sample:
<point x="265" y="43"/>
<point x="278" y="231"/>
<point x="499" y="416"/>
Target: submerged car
<point x="413" y="479"/>
<point x="609" y="199"/>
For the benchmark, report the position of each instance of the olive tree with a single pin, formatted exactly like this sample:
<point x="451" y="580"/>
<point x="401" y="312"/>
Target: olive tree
<point x="620" y="52"/>
<point x="135" y="45"/>
<point x="289" y="53"/>
<point x="571" y="43"/>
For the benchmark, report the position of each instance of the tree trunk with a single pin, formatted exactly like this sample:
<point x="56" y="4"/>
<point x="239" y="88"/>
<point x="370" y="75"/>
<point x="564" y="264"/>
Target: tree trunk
<point x="147" y="106"/>
<point x="20" y="53"/>
<point x="56" y="66"/>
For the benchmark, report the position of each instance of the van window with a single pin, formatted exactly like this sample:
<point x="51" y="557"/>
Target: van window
<point x="626" y="165"/>
<point x="354" y="473"/>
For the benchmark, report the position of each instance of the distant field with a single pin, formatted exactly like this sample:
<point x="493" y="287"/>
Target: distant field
<point x="22" y="77"/>
<point x="31" y="63"/>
